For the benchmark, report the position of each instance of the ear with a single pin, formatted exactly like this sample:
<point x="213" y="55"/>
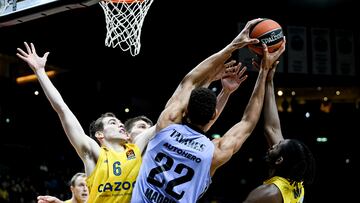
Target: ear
<point x="128" y="137"/>
<point x="215" y="114"/>
<point x="99" y="135"/>
<point x="279" y="160"/>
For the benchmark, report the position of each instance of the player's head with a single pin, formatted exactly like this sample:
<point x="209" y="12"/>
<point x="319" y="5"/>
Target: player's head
<point x="201" y="106"/>
<point x="291" y="159"/>
<point x="79" y="188"/>
<point x="137" y="125"/>
<point x="108" y="128"/>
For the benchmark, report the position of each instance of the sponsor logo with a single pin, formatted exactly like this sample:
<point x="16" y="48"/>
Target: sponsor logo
<point x="130" y="154"/>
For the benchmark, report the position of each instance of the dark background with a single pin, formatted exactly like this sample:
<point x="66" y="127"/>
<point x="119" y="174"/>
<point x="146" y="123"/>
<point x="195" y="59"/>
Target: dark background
<point x="176" y="36"/>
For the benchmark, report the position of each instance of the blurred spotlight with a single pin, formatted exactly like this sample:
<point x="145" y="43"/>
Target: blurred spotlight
<point x="215" y="136"/>
<point x="307" y="114"/>
<point x="326" y="106"/>
<point x="127" y="110"/>
<point x="321" y="139"/>
<point x="36" y="92"/>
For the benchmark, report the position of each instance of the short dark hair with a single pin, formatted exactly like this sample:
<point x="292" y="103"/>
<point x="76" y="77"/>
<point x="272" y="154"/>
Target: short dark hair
<point x="98" y="125"/>
<point x="201" y="106"/>
<point x="129" y="123"/>
<point x="298" y="162"/>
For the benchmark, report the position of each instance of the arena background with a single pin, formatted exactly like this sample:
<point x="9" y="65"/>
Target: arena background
<point x="36" y="157"/>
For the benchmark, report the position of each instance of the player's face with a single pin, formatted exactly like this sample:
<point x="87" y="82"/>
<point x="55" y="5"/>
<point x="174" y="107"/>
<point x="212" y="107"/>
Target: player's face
<point x="114" y="129"/>
<point x="273" y="153"/>
<point x="138" y="127"/>
<point x="80" y="190"/>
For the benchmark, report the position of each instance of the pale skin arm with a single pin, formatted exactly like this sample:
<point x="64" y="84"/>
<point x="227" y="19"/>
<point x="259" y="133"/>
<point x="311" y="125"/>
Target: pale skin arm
<point x="143" y="138"/>
<point x="48" y="199"/>
<point x="233" y="139"/>
<point x="86" y="147"/>
<point x="202" y="74"/>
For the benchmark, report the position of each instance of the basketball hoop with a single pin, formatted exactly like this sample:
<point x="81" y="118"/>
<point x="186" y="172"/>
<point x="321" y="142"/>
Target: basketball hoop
<point x="124" y="20"/>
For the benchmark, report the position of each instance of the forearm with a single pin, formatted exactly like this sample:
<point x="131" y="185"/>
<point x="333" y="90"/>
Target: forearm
<point x="272" y="121"/>
<point x="143" y="138"/>
<point x="50" y="91"/>
<point x="222" y="99"/>
<point x="254" y="107"/>
<point x="205" y="72"/>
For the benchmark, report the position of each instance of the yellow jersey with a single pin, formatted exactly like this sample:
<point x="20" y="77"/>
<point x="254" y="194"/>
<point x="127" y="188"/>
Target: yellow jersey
<point x="68" y="201"/>
<point x="292" y="192"/>
<point x="114" y="175"/>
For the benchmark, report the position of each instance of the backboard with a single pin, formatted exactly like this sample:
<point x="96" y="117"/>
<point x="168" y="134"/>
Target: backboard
<point x="17" y="11"/>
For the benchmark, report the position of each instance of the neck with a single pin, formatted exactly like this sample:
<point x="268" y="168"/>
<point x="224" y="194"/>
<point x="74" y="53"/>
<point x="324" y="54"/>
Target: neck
<point x="119" y="147"/>
<point x="198" y="128"/>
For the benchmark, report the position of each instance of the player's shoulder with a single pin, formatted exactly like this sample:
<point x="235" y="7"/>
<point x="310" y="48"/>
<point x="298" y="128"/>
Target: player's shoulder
<point x="131" y="146"/>
<point x="266" y="192"/>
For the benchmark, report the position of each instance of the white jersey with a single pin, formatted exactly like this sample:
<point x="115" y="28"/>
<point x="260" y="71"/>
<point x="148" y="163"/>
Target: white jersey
<point x="175" y="167"/>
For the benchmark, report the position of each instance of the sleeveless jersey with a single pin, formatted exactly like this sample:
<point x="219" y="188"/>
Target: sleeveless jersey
<point x="114" y="175"/>
<point x="175" y="168"/>
<point x="292" y="192"/>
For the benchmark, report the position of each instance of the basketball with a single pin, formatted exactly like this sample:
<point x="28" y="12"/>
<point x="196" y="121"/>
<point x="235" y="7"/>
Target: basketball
<point x="268" y="32"/>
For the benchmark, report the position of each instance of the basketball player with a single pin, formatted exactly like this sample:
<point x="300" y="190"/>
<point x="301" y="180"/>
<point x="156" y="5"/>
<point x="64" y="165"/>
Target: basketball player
<point x="79" y="190"/>
<point x="180" y="159"/>
<point x="136" y="125"/>
<point x="291" y="162"/>
<point x="113" y="165"/>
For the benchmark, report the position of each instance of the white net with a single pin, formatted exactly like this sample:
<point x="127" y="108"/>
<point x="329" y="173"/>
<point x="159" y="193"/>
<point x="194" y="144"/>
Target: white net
<point x="124" y="20"/>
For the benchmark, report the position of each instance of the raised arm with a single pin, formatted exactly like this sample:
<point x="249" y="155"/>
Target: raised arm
<point x="84" y="145"/>
<point x="272" y="125"/>
<point x="201" y="75"/>
<point x="143" y="138"/>
<point x="233" y="139"/>
<point x="232" y="78"/>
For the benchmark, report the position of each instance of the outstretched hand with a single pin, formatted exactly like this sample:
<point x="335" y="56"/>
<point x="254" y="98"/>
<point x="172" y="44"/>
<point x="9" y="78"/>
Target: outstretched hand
<point x="243" y="39"/>
<point x="30" y="56"/>
<point x="270" y="60"/>
<point x="233" y="77"/>
<point x="48" y="199"/>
